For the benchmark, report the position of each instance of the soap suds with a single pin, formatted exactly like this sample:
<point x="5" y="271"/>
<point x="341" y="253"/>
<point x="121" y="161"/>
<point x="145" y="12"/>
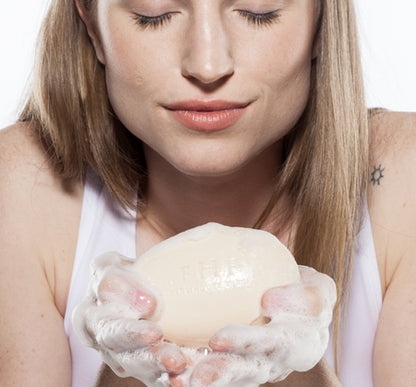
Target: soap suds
<point x="110" y="319"/>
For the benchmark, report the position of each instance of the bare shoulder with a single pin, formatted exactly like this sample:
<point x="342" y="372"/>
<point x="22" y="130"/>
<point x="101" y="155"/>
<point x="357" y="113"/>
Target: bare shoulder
<point x="393" y="161"/>
<point x="22" y="156"/>
<point x="391" y="132"/>
<point x="17" y="145"/>
<point x="392" y="189"/>
<point x="36" y="204"/>
<point x="392" y="206"/>
<point x="38" y="231"/>
<point x="23" y="172"/>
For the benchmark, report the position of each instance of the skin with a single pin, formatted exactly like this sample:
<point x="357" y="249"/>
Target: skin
<point x="392" y="208"/>
<point x="213" y="65"/>
<point x="40" y="214"/>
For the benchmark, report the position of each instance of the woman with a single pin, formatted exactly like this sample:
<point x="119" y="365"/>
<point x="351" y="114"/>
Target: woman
<point x="247" y="113"/>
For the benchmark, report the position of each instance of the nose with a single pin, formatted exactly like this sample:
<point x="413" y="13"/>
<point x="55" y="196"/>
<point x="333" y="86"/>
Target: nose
<point x="207" y="59"/>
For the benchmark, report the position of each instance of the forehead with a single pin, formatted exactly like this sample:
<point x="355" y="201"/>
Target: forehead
<point x="247" y="3"/>
<point x="227" y="2"/>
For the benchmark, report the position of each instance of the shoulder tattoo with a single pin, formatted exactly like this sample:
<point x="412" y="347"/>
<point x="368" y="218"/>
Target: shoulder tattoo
<point x="377" y="174"/>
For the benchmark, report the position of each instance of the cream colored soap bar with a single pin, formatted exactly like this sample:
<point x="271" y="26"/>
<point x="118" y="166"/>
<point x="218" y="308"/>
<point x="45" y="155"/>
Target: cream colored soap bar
<point x="214" y="275"/>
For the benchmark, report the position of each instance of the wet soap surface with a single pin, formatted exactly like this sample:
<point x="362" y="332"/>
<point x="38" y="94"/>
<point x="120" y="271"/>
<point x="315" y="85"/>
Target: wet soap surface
<point x="212" y="276"/>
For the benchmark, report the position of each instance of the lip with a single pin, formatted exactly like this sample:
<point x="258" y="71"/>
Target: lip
<point x="207" y="115"/>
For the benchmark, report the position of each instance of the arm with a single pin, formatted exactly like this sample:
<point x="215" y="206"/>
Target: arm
<point x="393" y="214"/>
<point x="34" y="350"/>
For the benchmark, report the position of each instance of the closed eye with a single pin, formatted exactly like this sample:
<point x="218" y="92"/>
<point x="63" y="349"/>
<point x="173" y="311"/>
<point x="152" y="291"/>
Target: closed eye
<point x="260" y="19"/>
<point x="152" y="21"/>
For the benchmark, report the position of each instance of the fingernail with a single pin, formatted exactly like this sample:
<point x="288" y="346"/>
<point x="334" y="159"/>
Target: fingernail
<point x="174" y="365"/>
<point x="144" y="302"/>
<point x="219" y="344"/>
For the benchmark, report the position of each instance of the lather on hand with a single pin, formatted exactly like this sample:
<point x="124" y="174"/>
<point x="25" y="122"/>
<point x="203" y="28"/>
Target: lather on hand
<point x="115" y="319"/>
<point x="294" y="339"/>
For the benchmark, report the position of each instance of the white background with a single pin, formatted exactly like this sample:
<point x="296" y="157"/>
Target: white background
<point x="388" y="40"/>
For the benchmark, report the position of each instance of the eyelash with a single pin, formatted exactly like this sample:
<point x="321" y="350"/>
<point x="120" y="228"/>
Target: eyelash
<point x="257" y="19"/>
<point x="152" y="21"/>
<point x="260" y="19"/>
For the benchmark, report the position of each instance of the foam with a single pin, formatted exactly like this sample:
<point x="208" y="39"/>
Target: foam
<point x="214" y="275"/>
<point x="295" y="338"/>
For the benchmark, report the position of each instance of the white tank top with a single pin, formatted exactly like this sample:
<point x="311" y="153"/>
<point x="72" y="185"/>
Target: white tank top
<point x="105" y="226"/>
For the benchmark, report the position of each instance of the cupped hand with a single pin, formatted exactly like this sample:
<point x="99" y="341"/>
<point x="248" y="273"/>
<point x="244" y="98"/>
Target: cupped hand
<point x="115" y="319"/>
<point x="294" y="338"/>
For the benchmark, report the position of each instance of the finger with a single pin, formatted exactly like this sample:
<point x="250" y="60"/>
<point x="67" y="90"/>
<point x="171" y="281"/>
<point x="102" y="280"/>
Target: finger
<point x="140" y="364"/>
<point x="287" y="344"/>
<point x="125" y="334"/>
<point x="170" y="356"/>
<point x="325" y="283"/>
<point x="296" y="299"/>
<point x="247" y="340"/>
<point x="150" y="365"/>
<point x="96" y="323"/>
<point x="113" y="281"/>
<point x="276" y="347"/>
<point x="120" y="287"/>
<point x="182" y="379"/>
<point x="209" y="371"/>
<point x="313" y="296"/>
<point x="79" y="321"/>
<point x="176" y="381"/>
<point x="219" y="370"/>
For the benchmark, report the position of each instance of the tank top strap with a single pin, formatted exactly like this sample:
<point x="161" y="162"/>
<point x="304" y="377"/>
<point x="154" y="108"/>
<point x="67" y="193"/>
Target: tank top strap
<point x="105" y="226"/>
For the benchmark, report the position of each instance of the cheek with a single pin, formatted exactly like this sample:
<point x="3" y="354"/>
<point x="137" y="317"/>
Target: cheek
<point x="285" y="83"/>
<point x="129" y="63"/>
<point x="125" y="63"/>
<point x="290" y="60"/>
<point x="131" y="80"/>
<point x="282" y="69"/>
<point x="286" y="70"/>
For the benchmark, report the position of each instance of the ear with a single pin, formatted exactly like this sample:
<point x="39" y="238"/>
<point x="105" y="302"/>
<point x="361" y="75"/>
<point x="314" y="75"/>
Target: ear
<point x="89" y="19"/>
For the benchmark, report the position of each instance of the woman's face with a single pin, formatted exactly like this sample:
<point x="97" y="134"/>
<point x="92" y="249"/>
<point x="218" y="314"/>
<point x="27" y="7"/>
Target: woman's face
<point x="209" y="85"/>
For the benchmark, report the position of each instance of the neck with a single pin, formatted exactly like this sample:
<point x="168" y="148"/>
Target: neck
<point x="177" y="202"/>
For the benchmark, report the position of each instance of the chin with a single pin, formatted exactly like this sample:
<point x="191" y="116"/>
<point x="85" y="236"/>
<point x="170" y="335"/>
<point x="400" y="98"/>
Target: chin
<point x="198" y="160"/>
<point x="211" y="168"/>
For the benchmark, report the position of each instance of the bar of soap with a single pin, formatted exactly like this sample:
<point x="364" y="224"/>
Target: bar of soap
<point x="211" y="276"/>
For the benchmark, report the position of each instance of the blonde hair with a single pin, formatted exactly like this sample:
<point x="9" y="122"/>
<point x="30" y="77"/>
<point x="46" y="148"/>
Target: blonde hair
<point x="325" y="168"/>
<point x="69" y="106"/>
